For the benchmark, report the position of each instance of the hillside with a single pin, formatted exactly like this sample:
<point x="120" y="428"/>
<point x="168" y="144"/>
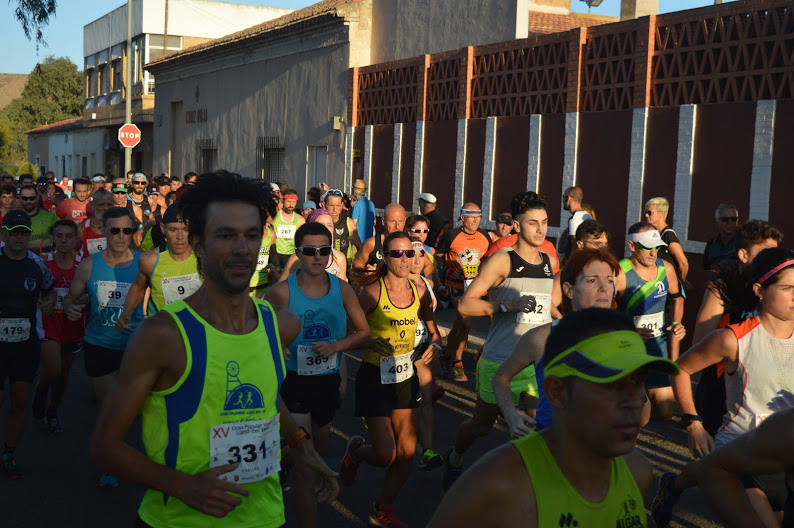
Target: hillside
<point x="11" y="86"/>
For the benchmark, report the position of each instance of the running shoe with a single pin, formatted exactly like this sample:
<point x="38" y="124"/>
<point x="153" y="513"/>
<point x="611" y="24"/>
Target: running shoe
<point x="458" y="374"/>
<point x="664" y="502"/>
<point x="106" y="480"/>
<point x="451" y="473"/>
<point x="54" y="425"/>
<point x="430" y="460"/>
<point x="385" y="518"/>
<point x="10" y="468"/>
<point x="350" y="463"/>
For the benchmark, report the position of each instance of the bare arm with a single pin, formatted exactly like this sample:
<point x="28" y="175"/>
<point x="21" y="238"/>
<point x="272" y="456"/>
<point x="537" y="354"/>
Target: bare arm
<point x="764" y="450"/>
<point x="360" y="261"/>
<point x="709" y="315"/>
<point x="674" y="339"/>
<point x="291" y="265"/>
<point x="678" y="254"/>
<point x="354" y="238"/>
<point x="556" y="297"/>
<point x="641" y="470"/>
<point x="491" y="275"/>
<point x="137" y="291"/>
<point x="75" y="300"/>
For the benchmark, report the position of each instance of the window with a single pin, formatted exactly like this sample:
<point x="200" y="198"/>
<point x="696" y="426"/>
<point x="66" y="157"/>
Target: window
<point x="315" y="165"/>
<point x="138" y="55"/>
<point x="269" y="158"/>
<point x="92" y="85"/>
<point x="116" y="71"/>
<point x="84" y="168"/>
<point x="93" y="163"/>
<point x="208" y="155"/>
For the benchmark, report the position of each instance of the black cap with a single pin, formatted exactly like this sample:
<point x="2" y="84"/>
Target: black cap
<point x="163" y="180"/>
<point x="171" y="216"/>
<point x="15" y="219"/>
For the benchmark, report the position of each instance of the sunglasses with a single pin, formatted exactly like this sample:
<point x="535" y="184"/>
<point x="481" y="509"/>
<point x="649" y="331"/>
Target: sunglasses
<point x="648" y="213"/>
<point x="420" y="230"/>
<point x="125" y="230"/>
<point x="333" y="192"/>
<point x="398" y="253"/>
<point x="139" y="183"/>
<point x="643" y="248"/>
<point x="29" y="198"/>
<point x="310" y="251"/>
<point x="727" y="219"/>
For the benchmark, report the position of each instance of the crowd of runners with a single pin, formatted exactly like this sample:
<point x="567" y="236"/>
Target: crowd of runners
<point x="226" y="313"/>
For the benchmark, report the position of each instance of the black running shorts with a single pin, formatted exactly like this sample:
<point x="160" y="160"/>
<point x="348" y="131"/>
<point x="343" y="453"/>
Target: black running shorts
<point x="314" y="395"/>
<point x="374" y="399"/>
<point x="101" y="361"/>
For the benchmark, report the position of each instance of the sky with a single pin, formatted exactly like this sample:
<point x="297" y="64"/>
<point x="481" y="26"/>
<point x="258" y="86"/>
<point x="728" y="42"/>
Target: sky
<point x="64" y="34"/>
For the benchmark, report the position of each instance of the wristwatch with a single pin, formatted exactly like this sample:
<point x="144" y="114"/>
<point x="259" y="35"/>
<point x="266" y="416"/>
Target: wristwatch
<point x="502" y="308"/>
<point x="687" y="419"/>
<point x="299" y="434"/>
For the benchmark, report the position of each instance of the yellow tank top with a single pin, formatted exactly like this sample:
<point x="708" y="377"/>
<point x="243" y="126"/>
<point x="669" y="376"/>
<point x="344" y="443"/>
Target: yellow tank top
<point x="559" y="504"/>
<point x="398" y="325"/>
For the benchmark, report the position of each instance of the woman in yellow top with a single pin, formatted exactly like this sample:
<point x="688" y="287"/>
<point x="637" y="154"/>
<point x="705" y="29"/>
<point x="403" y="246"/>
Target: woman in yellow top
<point x="387" y="388"/>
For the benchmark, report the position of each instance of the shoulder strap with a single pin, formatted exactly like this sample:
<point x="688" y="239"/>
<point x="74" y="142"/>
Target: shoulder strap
<point x="271" y="329"/>
<point x="625" y="265"/>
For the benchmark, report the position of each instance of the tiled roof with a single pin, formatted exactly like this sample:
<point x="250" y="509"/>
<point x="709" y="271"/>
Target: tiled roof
<point x="542" y="23"/>
<point x="66" y="123"/>
<point x="324" y="7"/>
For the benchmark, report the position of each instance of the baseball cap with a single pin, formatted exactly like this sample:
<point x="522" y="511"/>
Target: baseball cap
<point x="15" y="218"/>
<point x="428" y="198"/>
<point x="309" y="204"/>
<point x="275" y="188"/>
<point x="163" y="180"/>
<point x="504" y="219"/>
<point x="139" y="176"/>
<point x="607" y="357"/>
<point x="119" y="187"/>
<point x="171" y="215"/>
<point x="97" y="178"/>
<point x="649" y="238"/>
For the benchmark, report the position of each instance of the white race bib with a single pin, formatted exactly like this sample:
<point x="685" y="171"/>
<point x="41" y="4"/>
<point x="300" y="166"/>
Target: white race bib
<point x="179" y="287"/>
<point x="394" y="369"/>
<point x="254" y="445"/>
<point x="60" y="295"/>
<point x="112" y="294"/>
<point x="286" y="231"/>
<point x="14" y="329"/>
<point x="311" y="364"/>
<point x="95" y="245"/>
<point x="263" y="258"/>
<point x="653" y="322"/>
<point x="542" y="312"/>
<point x="421" y="333"/>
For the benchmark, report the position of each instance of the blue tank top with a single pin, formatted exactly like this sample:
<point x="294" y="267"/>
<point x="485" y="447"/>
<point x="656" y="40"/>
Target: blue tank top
<point x="107" y="290"/>
<point x="647" y="307"/>
<point x="323" y="319"/>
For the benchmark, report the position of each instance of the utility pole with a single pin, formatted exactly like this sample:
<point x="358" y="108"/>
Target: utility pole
<point x="165" y="29"/>
<point x="128" y="88"/>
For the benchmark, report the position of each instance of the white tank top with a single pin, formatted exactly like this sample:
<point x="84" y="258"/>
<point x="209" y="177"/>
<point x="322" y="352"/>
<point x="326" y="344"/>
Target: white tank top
<point x="762" y="384"/>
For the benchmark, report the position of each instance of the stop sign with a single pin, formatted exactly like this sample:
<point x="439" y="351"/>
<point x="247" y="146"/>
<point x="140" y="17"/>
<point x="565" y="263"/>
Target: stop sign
<point x="129" y="135"/>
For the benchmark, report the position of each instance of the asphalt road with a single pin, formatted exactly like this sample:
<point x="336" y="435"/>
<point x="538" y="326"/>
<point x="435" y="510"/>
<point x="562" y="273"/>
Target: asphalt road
<point x="59" y="487"/>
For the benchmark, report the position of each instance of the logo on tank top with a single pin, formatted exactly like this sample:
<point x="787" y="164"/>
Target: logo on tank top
<point x="661" y="290"/>
<point x="629" y="517"/>
<point x="240" y="396"/>
<point x="30" y="284"/>
<point x="314" y="331"/>
<point x="546" y="270"/>
<point x="339" y="231"/>
<point x="567" y="520"/>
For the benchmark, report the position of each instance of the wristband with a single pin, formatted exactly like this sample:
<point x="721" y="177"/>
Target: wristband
<point x="299" y="434"/>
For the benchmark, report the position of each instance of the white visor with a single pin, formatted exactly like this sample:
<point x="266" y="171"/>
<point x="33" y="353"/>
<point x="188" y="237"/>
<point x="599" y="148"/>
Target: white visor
<point x="650" y="238"/>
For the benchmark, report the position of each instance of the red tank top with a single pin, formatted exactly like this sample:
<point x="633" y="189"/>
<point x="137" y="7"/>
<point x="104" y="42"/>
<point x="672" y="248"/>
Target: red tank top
<point x="56" y="325"/>
<point x="93" y="242"/>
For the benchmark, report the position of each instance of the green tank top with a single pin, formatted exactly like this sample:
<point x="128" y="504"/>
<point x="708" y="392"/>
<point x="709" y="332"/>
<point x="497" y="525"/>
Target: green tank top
<point x="221" y="410"/>
<point x="285" y="233"/>
<point x="559" y="504"/>
<point x="261" y="272"/>
<point x="173" y="280"/>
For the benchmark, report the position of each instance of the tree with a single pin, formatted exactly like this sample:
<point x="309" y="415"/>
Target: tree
<point x="33" y="15"/>
<point x="54" y="92"/>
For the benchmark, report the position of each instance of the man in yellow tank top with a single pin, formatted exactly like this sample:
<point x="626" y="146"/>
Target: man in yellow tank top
<point x="204" y="374"/>
<point x="584" y="470"/>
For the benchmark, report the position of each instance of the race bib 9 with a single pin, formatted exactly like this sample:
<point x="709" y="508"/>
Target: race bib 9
<point x="311" y="364"/>
<point x="14" y="329"/>
<point x="253" y="444"/>
<point x="653" y="322"/>
<point x="542" y="312"/>
<point x="179" y="287"/>
<point x="112" y="294"/>
<point x="395" y="369"/>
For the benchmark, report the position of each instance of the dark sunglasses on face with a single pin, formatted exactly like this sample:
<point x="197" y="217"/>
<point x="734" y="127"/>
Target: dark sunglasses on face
<point x="648" y="213"/>
<point x="398" y="253"/>
<point x="117" y="230"/>
<point x="727" y="219"/>
<point x="119" y="192"/>
<point x="643" y="248"/>
<point x="28" y="198"/>
<point x="420" y="230"/>
<point x="310" y="251"/>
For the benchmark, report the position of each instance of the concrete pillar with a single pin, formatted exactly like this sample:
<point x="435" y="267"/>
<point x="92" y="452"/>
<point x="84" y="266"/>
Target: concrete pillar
<point x="533" y="161"/>
<point x="460" y="162"/>
<point x="763" y="145"/>
<point x="569" y="160"/>
<point x="630" y="9"/>
<point x="348" y="179"/>
<point x="368" y="158"/>
<point x="687" y="121"/>
<point x="396" y="162"/>
<point x="419" y="160"/>
<point x="487" y="173"/>
<point x="639" y="128"/>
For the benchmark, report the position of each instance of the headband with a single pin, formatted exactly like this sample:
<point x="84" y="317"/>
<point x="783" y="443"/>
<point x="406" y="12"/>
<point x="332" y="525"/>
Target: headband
<point x="774" y="270"/>
<point x="290" y="196"/>
<point x="472" y="212"/>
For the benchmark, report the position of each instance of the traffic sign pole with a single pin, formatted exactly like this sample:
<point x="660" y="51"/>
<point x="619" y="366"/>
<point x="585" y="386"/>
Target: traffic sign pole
<point x="128" y="88"/>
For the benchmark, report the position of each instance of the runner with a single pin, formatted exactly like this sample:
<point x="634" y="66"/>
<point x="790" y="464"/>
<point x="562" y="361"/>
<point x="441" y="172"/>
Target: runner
<point x="260" y="280"/>
<point x="97" y="183"/>
<point x="722" y="248"/>
<point x="588" y="281"/>
<point x="346" y="237"/>
<point x="119" y="189"/>
<point x="363" y="211"/>
<point x="8" y="195"/>
<point x="438" y="225"/>
<point x="136" y="201"/>
<point x="387" y="389"/>
<point x="429" y="392"/>
<point x="27" y="285"/>
<point x="581" y="471"/>
<point x="285" y="224"/>
<point x="504" y="226"/>
<point x="463" y="248"/>
<point x="572" y="202"/>
<point x="656" y="214"/>
<point x="106" y="278"/>
<point x="642" y="292"/>
<point x="171" y="274"/>
<point x="75" y="207"/>
<point x="337" y="263"/>
<point x="62" y="337"/>
<point x="218" y="352"/>
<point x="311" y="389"/>
<point x="371" y="254"/>
<point x="41" y="220"/>
<point x="94" y="240"/>
<point x="518" y="284"/>
<point x="758" y="356"/>
<point x="766" y="450"/>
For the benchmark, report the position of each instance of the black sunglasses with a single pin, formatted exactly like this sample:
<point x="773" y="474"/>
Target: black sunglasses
<point x="727" y="219"/>
<point x="333" y="192"/>
<point x="125" y="230"/>
<point x="28" y="198"/>
<point x="310" y="251"/>
<point x="398" y="253"/>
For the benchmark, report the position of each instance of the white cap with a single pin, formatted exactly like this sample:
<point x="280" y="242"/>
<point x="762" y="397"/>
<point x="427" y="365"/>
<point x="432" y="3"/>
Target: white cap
<point x="275" y="188"/>
<point x="649" y="238"/>
<point x="428" y="198"/>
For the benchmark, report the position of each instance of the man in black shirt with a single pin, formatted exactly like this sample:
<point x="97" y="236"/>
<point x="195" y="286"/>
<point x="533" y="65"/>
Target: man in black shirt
<point x="427" y="208"/>
<point x="27" y="283"/>
<point x="722" y="247"/>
